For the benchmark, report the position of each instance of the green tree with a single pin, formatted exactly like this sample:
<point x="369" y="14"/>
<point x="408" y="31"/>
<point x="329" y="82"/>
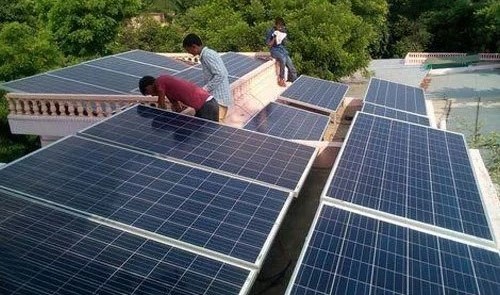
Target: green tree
<point x="17" y="11"/>
<point x="25" y="51"/>
<point x="149" y="35"/>
<point x="85" y="27"/>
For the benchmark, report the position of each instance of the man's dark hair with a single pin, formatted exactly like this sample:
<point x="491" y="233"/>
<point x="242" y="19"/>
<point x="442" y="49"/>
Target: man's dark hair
<point x="190" y="40"/>
<point x="279" y="21"/>
<point x="145" y="82"/>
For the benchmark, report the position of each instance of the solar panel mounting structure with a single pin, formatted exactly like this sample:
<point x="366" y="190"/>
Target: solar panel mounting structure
<point x="116" y="74"/>
<point x="314" y="93"/>
<point x="259" y="158"/>
<point x="417" y="174"/>
<point x="348" y="253"/>
<point x="288" y="122"/>
<point x="397" y="96"/>
<point x="51" y="251"/>
<point x="394" y="113"/>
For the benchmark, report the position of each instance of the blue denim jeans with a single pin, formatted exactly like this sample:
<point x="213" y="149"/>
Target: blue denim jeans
<point x="285" y="61"/>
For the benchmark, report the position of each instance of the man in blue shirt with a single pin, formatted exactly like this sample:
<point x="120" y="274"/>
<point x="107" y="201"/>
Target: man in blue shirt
<point x="214" y="72"/>
<point x="275" y="39"/>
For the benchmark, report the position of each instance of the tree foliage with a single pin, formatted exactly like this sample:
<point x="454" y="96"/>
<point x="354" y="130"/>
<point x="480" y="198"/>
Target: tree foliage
<point x="85" y="27"/>
<point x="26" y="51"/>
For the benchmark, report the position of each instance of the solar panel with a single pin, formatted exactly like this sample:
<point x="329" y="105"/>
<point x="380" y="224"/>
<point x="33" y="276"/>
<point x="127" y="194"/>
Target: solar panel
<point x="153" y="59"/>
<point x="347" y="253"/>
<point x="195" y="75"/>
<point x="98" y="77"/>
<point x="288" y="122"/>
<point x="397" y="96"/>
<point x="130" y="67"/>
<point x="316" y="93"/>
<point x="395" y="114"/>
<point x="238" y="65"/>
<point x="244" y="153"/>
<point x="208" y="210"/>
<point x="46" y="251"/>
<point x="116" y="74"/>
<point x="51" y="84"/>
<point x="409" y="170"/>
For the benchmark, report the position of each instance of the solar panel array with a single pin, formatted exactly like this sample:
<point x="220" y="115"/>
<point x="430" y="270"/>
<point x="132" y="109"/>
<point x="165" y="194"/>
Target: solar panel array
<point x="348" y="253"/>
<point x="238" y="65"/>
<point x="401" y="214"/>
<point x="248" y="154"/>
<point x="47" y="251"/>
<point x="195" y="75"/>
<point x="409" y="170"/>
<point x="288" y="122"/>
<point x="315" y="93"/>
<point x="116" y="74"/>
<point x="395" y="114"/>
<point x="396" y="96"/>
<point x="208" y="210"/>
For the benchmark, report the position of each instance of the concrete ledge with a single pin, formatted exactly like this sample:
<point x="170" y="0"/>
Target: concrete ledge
<point x="488" y="193"/>
<point x="56" y="126"/>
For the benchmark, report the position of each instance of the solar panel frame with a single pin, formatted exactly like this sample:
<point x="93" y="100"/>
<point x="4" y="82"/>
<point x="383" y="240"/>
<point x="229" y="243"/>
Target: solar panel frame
<point x="482" y="233"/>
<point x="175" y="136"/>
<point x="58" y="248"/>
<point x="120" y="199"/>
<point x="383" y="111"/>
<point x="288" y="122"/>
<point x="412" y="103"/>
<point x="402" y="260"/>
<point x="297" y="95"/>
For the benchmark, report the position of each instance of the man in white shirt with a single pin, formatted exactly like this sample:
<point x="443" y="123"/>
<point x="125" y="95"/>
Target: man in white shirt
<point x="214" y="72"/>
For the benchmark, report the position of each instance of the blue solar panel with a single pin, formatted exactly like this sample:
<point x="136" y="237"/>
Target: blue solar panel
<point x="412" y="171"/>
<point x="130" y="67"/>
<point x="205" y="209"/>
<point x="119" y="74"/>
<point x="98" y="77"/>
<point x="397" y="96"/>
<point x="154" y="59"/>
<point x="249" y="154"/>
<point x="238" y="65"/>
<point x="395" y="114"/>
<point x="45" y="251"/>
<point x="316" y="93"/>
<point x="352" y="254"/>
<point x="288" y="122"/>
<point x="195" y="75"/>
<point x="51" y="84"/>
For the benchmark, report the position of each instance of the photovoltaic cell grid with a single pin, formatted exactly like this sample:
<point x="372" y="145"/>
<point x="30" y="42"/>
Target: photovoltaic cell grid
<point x="412" y="171"/>
<point x="117" y="74"/>
<point x="288" y="122"/>
<point x="248" y="154"/>
<point x="316" y="93"/>
<point x="238" y="65"/>
<point x="218" y="213"/>
<point x="195" y="75"/>
<point x="396" y="96"/>
<point x="353" y="254"/>
<point x="395" y="114"/>
<point x="45" y="251"/>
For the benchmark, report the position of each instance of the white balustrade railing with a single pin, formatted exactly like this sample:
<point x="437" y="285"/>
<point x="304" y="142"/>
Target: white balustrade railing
<point x="419" y="58"/>
<point x="71" y="105"/>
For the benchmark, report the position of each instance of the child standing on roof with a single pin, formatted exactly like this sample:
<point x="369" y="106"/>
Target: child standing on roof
<point x="214" y="72"/>
<point x="275" y="39"/>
